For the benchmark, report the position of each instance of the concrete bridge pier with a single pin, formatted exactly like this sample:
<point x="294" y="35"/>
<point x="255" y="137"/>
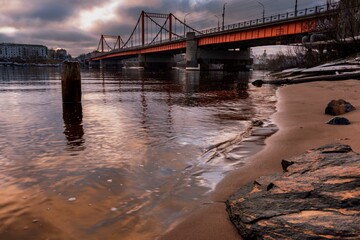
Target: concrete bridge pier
<point x="110" y="63"/>
<point x="210" y="59"/>
<point x="191" y="55"/>
<point x="228" y="60"/>
<point x="156" y="62"/>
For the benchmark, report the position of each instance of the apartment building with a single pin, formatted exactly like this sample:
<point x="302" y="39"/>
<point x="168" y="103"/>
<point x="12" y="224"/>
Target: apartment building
<point x="12" y="50"/>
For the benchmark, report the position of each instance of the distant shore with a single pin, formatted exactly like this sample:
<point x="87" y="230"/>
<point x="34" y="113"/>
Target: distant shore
<point x="301" y="121"/>
<point x="31" y="64"/>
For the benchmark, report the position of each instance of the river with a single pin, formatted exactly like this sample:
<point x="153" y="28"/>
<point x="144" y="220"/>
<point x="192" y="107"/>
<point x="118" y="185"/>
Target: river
<point x="135" y="156"/>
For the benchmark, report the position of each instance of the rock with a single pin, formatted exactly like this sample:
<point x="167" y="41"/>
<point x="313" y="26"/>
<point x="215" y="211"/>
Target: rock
<point x="258" y="83"/>
<point x="335" y="148"/>
<point x="338" y="107"/>
<point x="71" y="199"/>
<point x="338" y="121"/>
<point x="285" y="164"/>
<point x="257" y="123"/>
<point x="317" y="198"/>
<point x="35" y="220"/>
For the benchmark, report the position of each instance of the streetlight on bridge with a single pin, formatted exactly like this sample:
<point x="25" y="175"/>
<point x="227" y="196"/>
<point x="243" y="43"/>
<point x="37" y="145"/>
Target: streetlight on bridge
<point x="263" y="12"/>
<point x="223" y="16"/>
<point x="296" y="6"/>
<point x="185" y="23"/>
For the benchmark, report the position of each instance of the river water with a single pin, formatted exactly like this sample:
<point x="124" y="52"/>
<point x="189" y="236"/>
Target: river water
<point x="140" y="152"/>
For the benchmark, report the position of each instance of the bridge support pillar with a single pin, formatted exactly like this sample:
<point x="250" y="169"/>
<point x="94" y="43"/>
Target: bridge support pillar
<point x="156" y="62"/>
<point x="110" y="63"/>
<point x="191" y="51"/>
<point x="208" y="59"/>
<point x="229" y="60"/>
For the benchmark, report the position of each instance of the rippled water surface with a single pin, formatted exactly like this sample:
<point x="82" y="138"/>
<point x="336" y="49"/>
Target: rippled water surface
<point x="135" y="156"/>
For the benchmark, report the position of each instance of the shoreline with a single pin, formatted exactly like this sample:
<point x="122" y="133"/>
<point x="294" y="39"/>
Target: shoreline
<point x="15" y="64"/>
<point x="301" y="121"/>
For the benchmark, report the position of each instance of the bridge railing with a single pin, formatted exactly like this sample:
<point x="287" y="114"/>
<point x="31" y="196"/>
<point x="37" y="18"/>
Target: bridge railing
<point x="275" y="18"/>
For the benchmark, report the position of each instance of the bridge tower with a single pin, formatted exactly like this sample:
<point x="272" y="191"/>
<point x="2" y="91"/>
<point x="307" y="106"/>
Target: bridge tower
<point x="104" y="47"/>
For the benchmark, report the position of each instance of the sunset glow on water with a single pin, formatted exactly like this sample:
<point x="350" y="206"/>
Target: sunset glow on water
<point x="128" y="161"/>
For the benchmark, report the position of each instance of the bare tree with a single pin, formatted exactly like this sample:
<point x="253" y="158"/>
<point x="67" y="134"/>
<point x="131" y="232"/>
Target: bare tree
<point x="343" y="28"/>
<point x="349" y="17"/>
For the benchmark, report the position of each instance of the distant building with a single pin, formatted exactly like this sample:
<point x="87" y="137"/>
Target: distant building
<point x="261" y="61"/>
<point x="13" y="50"/>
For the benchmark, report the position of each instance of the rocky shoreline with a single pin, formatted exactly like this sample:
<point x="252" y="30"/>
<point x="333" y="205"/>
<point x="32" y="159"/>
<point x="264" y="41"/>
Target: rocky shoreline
<point x="344" y="69"/>
<point x="317" y="197"/>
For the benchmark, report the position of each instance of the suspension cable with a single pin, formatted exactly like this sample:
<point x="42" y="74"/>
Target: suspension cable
<point x="130" y="37"/>
<point x="161" y="27"/>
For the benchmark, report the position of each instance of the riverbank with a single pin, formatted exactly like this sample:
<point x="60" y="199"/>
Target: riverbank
<point x="301" y="121"/>
<point x="15" y="64"/>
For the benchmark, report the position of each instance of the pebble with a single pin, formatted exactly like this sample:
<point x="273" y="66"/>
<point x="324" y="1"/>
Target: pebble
<point x="113" y="209"/>
<point x="72" y="199"/>
<point x="109" y="180"/>
<point x="35" y="220"/>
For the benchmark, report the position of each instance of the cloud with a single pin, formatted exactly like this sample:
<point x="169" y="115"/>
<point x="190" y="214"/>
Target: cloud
<point x="55" y="11"/>
<point x="5" y="38"/>
<point x="62" y="36"/>
<point x="76" y="24"/>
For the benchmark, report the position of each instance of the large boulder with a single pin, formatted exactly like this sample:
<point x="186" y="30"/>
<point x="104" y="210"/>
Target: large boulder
<point x="338" y="107"/>
<point x="317" y="197"/>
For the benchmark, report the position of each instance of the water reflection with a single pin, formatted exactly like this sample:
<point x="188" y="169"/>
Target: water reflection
<point x="134" y="154"/>
<point x="73" y="127"/>
<point x="208" y="88"/>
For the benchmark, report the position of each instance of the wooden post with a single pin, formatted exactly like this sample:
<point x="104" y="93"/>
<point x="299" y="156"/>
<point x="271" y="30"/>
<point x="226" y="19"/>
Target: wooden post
<point x="71" y="82"/>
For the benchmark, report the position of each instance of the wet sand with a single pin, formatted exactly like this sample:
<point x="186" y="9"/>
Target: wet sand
<point x="301" y="121"/>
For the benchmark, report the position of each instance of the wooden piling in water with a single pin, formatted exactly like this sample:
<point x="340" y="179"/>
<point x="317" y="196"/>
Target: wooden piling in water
<point x="71" y="82"/>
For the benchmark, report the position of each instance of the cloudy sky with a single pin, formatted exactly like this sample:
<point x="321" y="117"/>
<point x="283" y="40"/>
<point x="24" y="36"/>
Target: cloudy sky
<point x="76" y="25"/>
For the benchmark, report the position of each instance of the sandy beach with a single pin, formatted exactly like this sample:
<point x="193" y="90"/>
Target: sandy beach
<point x="301" y="121"/>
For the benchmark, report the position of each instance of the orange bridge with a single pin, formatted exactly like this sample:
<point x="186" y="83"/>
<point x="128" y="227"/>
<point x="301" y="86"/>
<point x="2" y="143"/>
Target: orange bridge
<point x="229" y="44"/>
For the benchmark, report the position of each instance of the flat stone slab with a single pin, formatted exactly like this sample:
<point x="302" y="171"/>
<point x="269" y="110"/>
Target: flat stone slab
<point x="317" y="197"/>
